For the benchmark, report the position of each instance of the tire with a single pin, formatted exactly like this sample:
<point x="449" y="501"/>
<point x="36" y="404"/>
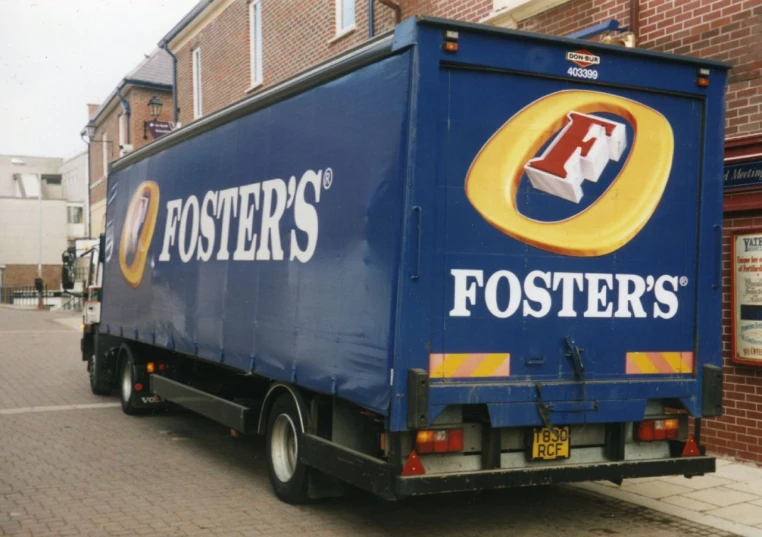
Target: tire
<point x="288" y="475"/>
<point x="97" y="385"/>
<point x="126" y="391"/>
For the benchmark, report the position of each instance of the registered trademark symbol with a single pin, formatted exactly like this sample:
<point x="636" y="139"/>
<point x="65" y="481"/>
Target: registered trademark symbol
<point x="327" y="178"/>
<point x="683" y="281"/>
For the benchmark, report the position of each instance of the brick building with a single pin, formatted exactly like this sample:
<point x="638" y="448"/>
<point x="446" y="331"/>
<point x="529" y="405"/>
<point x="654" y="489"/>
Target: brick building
<point x="119" y="124"/>
<point x="228" y="49"/>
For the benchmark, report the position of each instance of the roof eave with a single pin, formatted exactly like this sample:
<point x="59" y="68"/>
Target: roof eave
<point x="185" y="21"/>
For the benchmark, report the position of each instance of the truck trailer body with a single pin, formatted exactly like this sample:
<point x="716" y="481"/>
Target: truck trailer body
<point x="457" y="257"/>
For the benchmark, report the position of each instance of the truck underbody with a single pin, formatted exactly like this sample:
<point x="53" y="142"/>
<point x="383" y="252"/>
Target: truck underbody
<point x="338" y="443"/>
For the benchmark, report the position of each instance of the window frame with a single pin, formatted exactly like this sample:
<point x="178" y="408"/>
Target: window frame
<point x="80" y="212"/>
<point x="198" y="103"/>
<point x="122" y="129"/>
<point x="342" y="29"/>
<point x="255" y="42"/>
<point x="104" y="143"/>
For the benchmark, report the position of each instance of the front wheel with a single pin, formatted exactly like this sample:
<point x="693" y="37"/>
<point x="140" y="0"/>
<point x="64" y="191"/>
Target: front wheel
<point x="288" y="475"/>
<point x="95" y="368"/>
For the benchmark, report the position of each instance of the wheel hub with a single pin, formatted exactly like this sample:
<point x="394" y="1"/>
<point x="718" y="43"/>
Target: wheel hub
<point x="284" y="448"/>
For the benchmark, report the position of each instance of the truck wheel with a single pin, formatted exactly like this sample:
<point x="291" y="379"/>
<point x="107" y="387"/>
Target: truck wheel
<point x="126" y="383"/>
<point x="97" y="384"/>
<point x="287" y="474"/>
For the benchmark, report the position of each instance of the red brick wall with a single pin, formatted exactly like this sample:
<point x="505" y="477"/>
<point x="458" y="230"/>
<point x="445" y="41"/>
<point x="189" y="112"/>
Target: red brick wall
<point x="295" y="36"/>
<point x="25" y="275"/>
<point x="725" y="30"/>
<point x="109" y="123"/>
<point x="140" y="113"/>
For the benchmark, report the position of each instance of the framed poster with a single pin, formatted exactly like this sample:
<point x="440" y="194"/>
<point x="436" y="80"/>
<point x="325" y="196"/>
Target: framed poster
<point x="746" y="296"/>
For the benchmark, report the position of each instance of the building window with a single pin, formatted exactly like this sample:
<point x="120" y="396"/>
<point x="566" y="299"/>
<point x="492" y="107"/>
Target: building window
<point x="255" y="39"/>
<point x="74" y="215"/>
<point x="122" y="130"/>
<point x="345" y="15"/>
<point x="105" y="154"/>
<point x="509" y="13"/>
<point x="197" y="103"/>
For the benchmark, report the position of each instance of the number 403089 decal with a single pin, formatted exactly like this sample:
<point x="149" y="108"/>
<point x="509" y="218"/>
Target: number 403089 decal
<point x="582" y="73"/>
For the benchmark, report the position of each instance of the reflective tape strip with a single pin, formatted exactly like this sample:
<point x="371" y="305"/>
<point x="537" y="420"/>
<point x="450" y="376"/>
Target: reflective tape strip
<point x="659" y="363"/>
<point x="469" y="365"/>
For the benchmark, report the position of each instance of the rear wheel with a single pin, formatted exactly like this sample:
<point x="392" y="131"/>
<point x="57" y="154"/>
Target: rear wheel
<point x="288" y="475"/>
<point x="126" y="383"/>
<point x="95" y="368"/>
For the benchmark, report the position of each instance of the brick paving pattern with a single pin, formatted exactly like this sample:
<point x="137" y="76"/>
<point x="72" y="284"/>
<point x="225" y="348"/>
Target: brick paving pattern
<point x="95" y="472"/>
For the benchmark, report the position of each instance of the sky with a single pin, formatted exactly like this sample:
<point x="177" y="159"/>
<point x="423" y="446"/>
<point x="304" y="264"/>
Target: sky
<point x="58" y="55"/>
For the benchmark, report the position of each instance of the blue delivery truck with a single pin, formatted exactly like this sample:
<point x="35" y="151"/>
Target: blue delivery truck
<point x="455" y="258"/>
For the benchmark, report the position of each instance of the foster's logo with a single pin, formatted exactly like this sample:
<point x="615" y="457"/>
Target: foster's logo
<point x="579" y="144"/>
<point x="139" y="225"/>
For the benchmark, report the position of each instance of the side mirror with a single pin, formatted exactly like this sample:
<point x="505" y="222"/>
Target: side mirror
<point x="67" y="277"/>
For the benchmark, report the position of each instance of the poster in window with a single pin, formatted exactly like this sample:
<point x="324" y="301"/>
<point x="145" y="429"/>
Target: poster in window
<point x="747" y="297"/>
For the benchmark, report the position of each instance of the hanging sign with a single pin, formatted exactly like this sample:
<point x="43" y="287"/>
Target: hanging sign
<point x="743" y="175"/>
<point x="746" y="256"/>
<point x="159" y="128"/>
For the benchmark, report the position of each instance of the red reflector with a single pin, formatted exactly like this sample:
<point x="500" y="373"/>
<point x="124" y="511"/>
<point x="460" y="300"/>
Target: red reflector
<point x="138" y="387"/>
<point x="161" y="367"/>
<point x="691" y="449"/>
<point x="413" y="466"/>
<point x="702" y="82"/>
<point x="450" y="46"/>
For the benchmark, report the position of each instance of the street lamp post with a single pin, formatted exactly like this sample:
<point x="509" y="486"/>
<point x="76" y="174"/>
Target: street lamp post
<point x="154" y="109"/>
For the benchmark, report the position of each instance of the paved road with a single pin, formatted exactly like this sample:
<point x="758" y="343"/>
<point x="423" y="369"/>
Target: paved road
<point x="72" y="464"/>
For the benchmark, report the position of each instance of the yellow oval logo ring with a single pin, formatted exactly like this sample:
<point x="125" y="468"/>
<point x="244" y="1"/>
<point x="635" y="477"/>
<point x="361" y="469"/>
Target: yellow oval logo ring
<point x="616" y="217"/>
<point x="142" y="211"/>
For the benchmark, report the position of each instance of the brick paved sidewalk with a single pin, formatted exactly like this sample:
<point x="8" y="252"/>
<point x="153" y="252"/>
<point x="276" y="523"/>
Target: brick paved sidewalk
<point x="730" y="499"/>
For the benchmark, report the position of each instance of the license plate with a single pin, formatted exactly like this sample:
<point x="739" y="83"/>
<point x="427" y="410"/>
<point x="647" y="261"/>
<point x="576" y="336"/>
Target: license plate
<point x="550" y="444"/>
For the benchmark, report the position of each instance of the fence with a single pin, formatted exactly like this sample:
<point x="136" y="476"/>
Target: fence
<point x="26" y="295"/>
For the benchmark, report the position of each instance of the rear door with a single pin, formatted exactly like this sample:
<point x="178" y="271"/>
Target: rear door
<point x="570" y="218"/>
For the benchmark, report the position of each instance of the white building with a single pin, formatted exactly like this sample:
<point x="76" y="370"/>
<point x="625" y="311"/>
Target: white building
<point x="40" y="216"/>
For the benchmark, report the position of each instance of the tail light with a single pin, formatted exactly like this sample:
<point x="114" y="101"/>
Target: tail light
<point x="653" y="430"/>
<point x="439" y="441"/>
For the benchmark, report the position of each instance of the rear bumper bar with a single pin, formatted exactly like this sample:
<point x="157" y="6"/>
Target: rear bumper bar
<point x="498" y="479"/>
<point x="381" y="478"/>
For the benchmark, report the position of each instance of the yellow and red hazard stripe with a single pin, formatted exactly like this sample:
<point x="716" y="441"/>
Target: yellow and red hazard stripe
<point x="659" y="363"/>
<point x="469" y="365"/>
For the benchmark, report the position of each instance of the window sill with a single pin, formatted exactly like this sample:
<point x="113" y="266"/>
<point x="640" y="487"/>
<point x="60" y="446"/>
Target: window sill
<point x="253" y="87"/>
<point x="509" y="13"/>
<point x="344" y="33"/>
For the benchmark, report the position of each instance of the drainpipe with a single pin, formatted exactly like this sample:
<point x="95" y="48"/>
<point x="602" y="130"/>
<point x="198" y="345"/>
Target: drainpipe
<point x="87" y="210"/>
<point x="164" y="45"/>
<point x="635" y="19"/>
<point x="396" y="8"/>
<point x="127" y="111"/>
<point x="371" y="30"/>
